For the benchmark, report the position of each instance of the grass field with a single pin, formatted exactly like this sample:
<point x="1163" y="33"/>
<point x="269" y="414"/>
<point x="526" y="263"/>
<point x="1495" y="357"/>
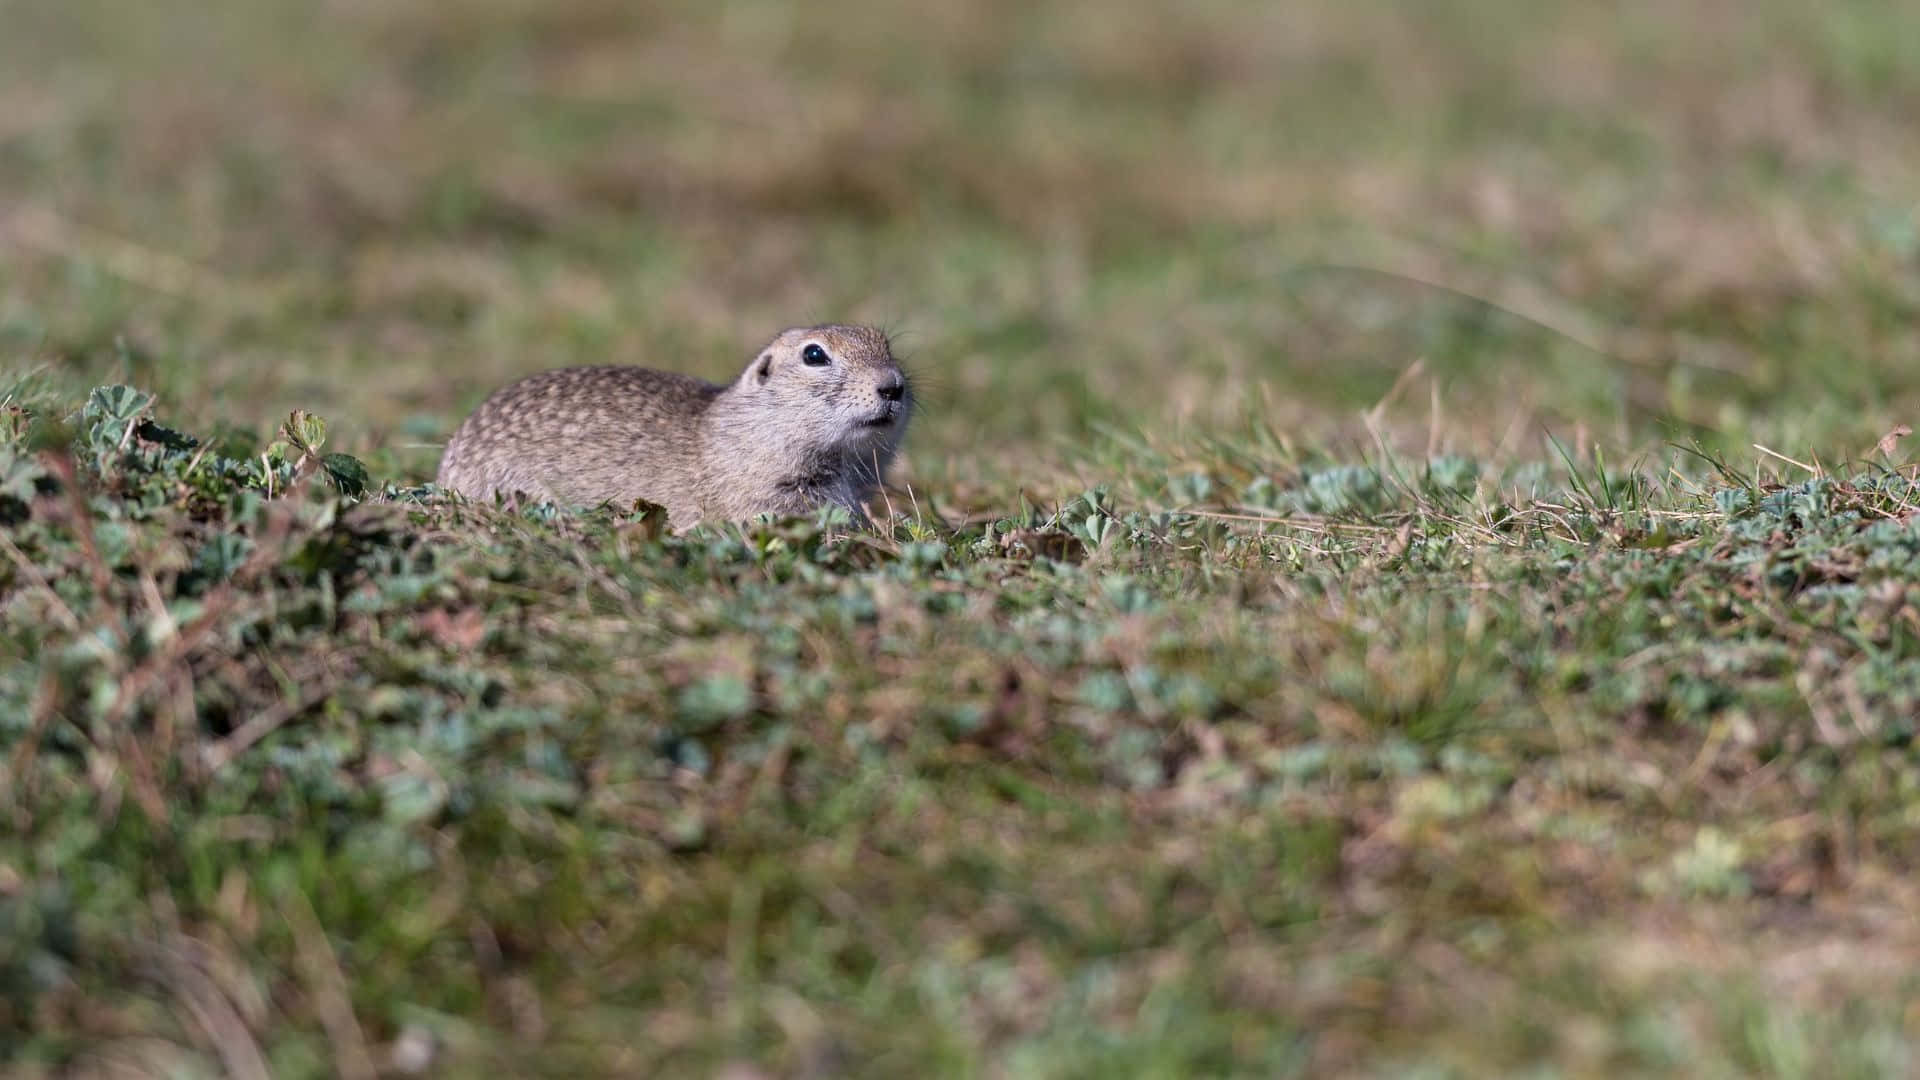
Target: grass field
<point x="1407" y="566"/>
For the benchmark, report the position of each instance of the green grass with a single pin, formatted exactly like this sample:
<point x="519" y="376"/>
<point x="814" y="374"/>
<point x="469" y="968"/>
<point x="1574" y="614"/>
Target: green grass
<point x="1336" y="618"/>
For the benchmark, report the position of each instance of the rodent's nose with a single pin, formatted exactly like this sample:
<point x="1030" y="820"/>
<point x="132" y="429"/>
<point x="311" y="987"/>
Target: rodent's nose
<point x="893" y="391"/>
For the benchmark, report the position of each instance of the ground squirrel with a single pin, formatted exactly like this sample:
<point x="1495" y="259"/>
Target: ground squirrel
<point x="814" y="419"/>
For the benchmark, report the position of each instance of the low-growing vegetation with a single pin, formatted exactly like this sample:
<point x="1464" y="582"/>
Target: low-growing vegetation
<point x="304" y="774"/>
<point x="1408" y="565"/>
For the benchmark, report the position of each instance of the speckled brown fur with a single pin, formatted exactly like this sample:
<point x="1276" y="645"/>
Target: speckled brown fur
<point x="785" y="437"/>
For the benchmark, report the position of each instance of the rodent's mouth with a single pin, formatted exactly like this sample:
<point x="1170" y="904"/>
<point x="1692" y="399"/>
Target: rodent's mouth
<point x="885" y="418"/>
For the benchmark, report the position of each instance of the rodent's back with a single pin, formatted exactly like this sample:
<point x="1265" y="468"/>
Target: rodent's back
<point x="578" y="436"/>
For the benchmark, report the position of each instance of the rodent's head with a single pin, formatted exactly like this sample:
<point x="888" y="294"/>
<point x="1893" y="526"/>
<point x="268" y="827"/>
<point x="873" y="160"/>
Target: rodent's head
<point x="842" y="376"/>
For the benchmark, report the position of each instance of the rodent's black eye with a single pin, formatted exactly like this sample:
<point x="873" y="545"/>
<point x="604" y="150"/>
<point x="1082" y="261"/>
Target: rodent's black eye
<point x="815" y="356"/>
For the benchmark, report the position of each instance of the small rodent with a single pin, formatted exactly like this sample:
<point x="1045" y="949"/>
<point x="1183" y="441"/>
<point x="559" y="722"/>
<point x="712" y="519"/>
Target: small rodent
<point x="814" y="419"/>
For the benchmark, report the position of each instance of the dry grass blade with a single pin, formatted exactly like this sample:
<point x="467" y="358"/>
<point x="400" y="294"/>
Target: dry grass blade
<point x="1811" y="470"/>
<point x="327" y="986"/>
<point x="216" y="756"/>
<point x="59" y="607"/>
<point x="220" y="1024"/>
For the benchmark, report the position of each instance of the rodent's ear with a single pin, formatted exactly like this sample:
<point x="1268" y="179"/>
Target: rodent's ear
<point x="765" y="368"/>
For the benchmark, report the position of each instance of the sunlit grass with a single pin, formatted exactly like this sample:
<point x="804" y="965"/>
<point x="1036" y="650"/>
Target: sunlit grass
<point x="1399" y="570"/>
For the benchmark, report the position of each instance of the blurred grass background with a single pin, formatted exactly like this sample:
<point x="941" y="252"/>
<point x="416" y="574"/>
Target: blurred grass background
<point x="1645" y="219"/>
